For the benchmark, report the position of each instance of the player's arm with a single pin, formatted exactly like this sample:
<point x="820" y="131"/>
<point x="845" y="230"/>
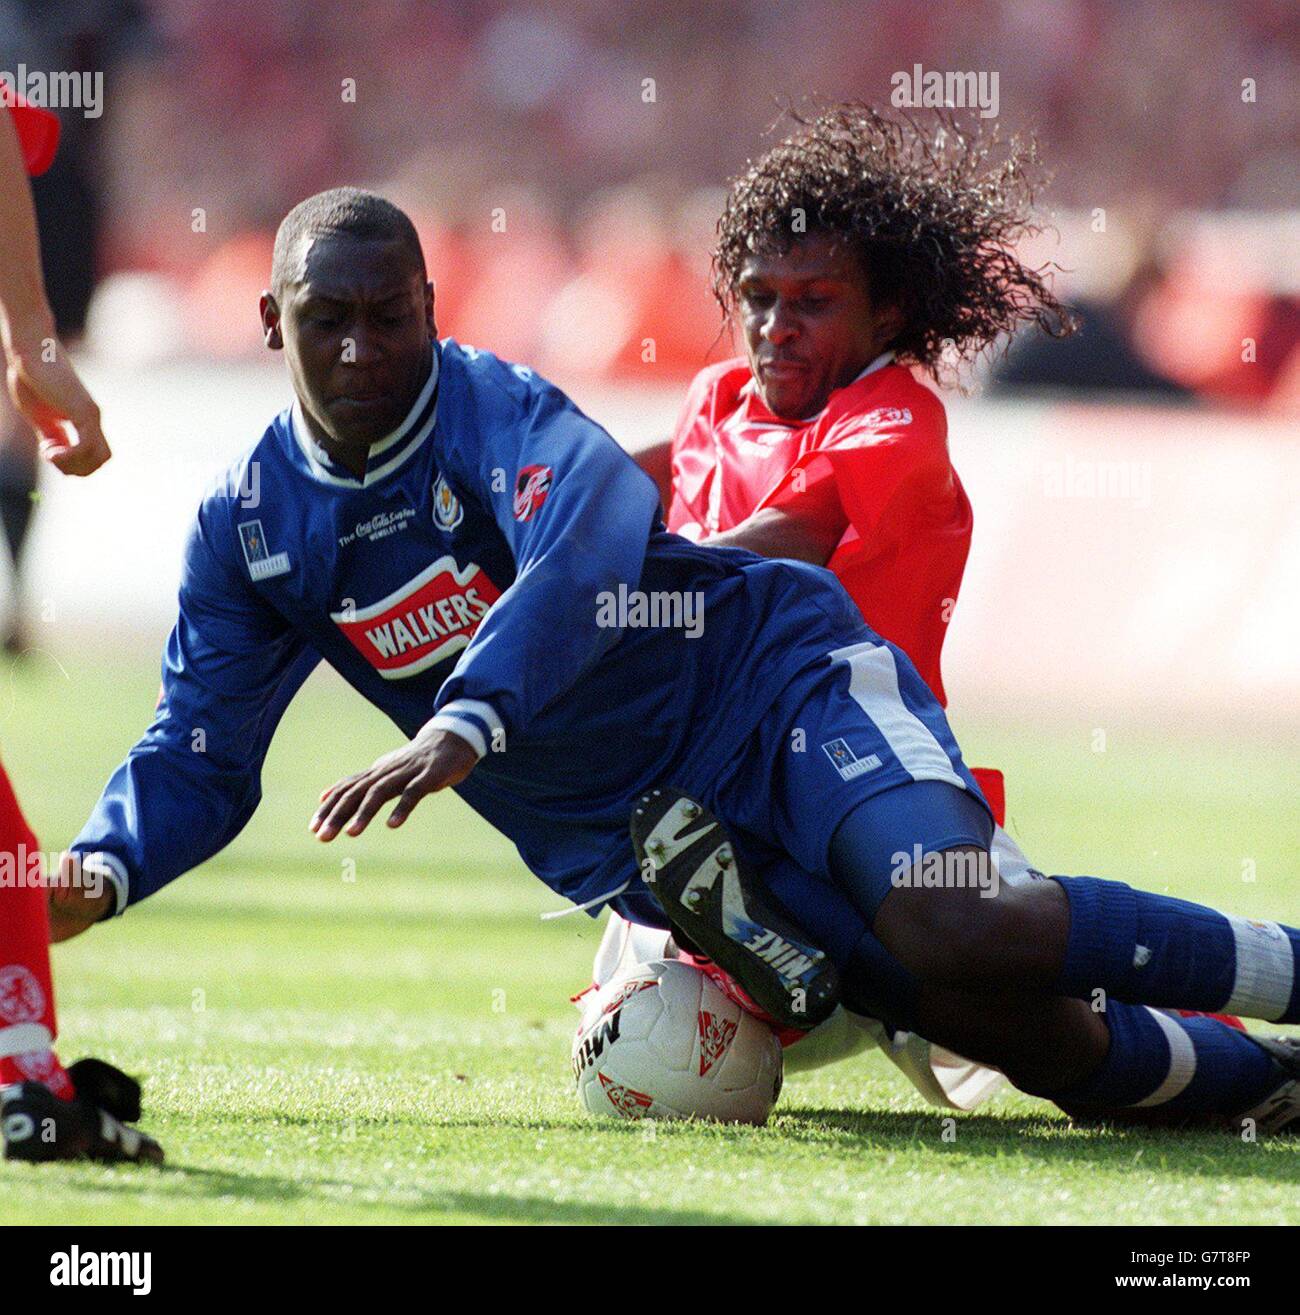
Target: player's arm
<point x="26" y="311"/>
<point x="585" y="537"/>
<point x="885" y="482"/>
<point x="192" y="782"/>
<point x="582" y="539"/>
<point x="655" y="457"/>
<point x="40" y="378"/>
<point x="807" y="526"/>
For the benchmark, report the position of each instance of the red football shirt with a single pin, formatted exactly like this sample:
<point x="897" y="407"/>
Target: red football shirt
<point x="38" y="131"/>
<point x="883" y="441"/>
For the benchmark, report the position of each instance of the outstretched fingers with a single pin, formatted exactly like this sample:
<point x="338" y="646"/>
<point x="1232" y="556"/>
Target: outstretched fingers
<point x="337" y="805"/>
<point x="393" y="783"/>
<point x="353" y="802"/>
<point x="411" y="796"/>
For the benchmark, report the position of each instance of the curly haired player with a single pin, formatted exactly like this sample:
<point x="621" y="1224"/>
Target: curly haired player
<point x="857" y="247"/>
<point x="857" y="255"/>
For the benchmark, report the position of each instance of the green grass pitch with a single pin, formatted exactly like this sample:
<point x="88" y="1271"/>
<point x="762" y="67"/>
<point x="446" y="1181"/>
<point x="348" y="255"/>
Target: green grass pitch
<point x="377" y="1031"/>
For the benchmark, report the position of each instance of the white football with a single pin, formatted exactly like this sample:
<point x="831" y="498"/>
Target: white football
<point x="661" y="1041"/>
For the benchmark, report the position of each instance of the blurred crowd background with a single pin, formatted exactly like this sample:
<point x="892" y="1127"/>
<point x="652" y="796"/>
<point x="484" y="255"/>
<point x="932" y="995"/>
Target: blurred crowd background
<point x="565" y="164"/>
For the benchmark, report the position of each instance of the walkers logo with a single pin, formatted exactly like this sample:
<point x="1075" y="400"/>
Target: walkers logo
<point x="426" y="620"/>
<point x="531" y="488"/>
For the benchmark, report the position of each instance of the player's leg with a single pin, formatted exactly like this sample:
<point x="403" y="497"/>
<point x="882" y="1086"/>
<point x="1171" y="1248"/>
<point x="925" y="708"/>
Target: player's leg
<point x="1095" y="1059"/>
<point x="888" y="775"/>
<point x="48" y="1112"/>
<point x="19" y="464"/>
<point x="1127" y="1063"/>
<point x="953" y="930"/>
<point x="950" y="920"/>
<point x="1124" y="1063"/>
<point x="1157" y="950"/>
<point x="27" y="1023"/>
<point x="1084" y="937"/>
<point x="971" y="939"/>
<point x="1164" y="1069"/>
<point x="999" y="1009"/>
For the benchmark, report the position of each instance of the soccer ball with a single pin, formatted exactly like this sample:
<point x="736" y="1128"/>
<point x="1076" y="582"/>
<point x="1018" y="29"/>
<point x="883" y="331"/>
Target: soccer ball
<point x="661" y="1041"/>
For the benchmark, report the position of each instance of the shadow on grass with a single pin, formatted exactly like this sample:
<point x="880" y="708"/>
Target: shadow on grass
<point x="197" y="1184"/>
<point x="850" y="1135"/>
<point x="1048" y="1139"/>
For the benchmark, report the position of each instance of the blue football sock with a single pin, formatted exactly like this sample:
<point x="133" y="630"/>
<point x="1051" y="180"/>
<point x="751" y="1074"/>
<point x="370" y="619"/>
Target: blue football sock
<point x="1165" y="1069"/>
<point x="1156" y="950"/>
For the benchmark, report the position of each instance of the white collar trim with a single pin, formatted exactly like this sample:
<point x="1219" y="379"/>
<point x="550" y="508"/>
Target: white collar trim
<point x="879" y="363"/>
<point x="321" y="465"/>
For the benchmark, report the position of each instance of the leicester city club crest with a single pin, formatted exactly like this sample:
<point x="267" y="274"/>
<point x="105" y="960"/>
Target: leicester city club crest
<point x="447" y="509"/>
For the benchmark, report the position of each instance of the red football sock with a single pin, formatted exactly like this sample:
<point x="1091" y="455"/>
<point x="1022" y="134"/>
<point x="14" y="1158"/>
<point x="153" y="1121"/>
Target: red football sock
<point x="27" y="1025"/>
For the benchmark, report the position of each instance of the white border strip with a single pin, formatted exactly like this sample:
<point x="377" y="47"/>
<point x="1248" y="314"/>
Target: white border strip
<point x="1182" y="1062"/>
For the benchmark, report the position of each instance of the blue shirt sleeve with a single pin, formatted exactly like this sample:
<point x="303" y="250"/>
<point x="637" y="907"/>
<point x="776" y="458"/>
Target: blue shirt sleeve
<point x="188" y="787"/>
<point x="577" y="513"/>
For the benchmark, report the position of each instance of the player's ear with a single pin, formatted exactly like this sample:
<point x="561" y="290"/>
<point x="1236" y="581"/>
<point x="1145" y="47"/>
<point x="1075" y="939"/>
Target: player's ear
<point x="888" y="324"/>
<point x="270" y="314"/>
<point x="428" y="310"/>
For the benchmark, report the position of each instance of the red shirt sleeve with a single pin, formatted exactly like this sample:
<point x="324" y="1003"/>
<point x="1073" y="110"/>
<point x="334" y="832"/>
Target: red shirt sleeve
<point x="692" y="457"/>
<point x="38" y="131"/>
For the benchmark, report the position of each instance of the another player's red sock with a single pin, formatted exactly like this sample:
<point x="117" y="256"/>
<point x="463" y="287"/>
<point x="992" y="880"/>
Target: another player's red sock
<point x="27" y="1024"/>
<point x="1231" y="1019"/>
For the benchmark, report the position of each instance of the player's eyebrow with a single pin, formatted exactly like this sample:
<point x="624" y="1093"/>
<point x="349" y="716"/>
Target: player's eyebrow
<point x="312" y="294"/>
<point x="799" y="280"/>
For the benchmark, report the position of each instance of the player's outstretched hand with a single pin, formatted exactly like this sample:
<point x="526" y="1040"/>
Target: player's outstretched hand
<point x="55" y="402"/>
<point x="432" y="761"/>
<point x="75" y="902"/>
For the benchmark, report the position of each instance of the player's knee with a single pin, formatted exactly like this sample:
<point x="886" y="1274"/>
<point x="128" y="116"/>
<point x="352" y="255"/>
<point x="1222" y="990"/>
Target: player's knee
<point x="950" y="929"/>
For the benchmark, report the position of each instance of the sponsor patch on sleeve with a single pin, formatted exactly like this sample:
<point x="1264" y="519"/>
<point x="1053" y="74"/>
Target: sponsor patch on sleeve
<point x="532" y="485"/>
<point x="262" y="562"/>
